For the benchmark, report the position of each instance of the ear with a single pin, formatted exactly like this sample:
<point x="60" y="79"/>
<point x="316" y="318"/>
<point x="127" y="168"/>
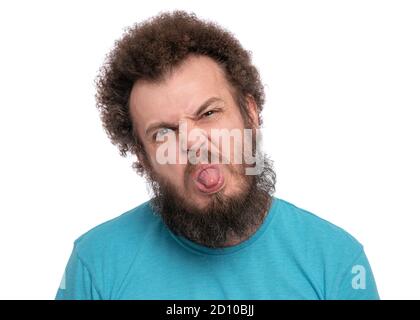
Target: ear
<point x="253" y="111"/>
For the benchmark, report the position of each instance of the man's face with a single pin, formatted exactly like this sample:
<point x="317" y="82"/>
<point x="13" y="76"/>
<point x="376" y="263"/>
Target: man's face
<point x="211" y="204"/>
<point x="158" y="109"/>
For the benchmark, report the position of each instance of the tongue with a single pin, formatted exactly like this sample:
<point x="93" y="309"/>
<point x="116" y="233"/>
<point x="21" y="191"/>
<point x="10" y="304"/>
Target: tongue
<point x="209" y="177"/>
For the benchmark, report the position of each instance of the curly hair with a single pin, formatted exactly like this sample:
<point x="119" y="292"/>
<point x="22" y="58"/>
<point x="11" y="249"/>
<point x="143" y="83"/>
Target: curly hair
<point x="149" y="51"/>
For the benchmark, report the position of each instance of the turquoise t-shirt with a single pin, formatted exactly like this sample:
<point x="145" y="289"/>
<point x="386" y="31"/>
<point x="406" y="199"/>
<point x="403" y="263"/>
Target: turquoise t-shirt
<point x="293" y="255"/>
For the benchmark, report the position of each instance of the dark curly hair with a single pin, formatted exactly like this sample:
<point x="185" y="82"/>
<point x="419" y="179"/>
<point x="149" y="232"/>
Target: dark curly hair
<point x="149" y="51"/>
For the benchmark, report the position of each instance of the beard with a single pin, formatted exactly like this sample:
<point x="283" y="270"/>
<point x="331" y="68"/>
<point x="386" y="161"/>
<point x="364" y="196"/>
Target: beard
<point x="224" y="217"/>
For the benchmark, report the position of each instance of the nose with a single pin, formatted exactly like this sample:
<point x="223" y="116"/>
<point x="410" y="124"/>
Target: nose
<point x="192" y="138"/>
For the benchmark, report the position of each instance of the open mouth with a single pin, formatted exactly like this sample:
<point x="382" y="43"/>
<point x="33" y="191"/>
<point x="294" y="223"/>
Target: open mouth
<point x="208" y="178"/>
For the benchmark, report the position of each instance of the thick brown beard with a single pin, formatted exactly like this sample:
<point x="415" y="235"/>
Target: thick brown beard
<point x="224" y="218"/>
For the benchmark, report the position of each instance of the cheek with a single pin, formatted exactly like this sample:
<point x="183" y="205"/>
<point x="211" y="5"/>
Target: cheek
<point x="234" y="150"/>
<point x="172" y="173"/>
<point x="166" y="152"/>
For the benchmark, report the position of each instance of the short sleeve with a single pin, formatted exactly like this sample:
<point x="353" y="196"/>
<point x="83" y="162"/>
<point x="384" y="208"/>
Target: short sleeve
<point x="77" y="282"/>
<point x="356" y="282"/>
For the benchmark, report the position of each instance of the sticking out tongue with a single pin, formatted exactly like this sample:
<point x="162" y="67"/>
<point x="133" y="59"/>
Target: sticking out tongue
<point x="209" y="177"/>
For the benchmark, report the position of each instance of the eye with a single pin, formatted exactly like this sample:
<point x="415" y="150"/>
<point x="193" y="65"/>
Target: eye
<point x="161" y="133"/>
<point x="208" y="113"/>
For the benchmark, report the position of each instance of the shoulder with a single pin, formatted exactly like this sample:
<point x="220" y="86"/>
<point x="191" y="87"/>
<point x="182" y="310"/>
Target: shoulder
<point x="305" y="220"/>
<point x="313" y="233"/>
<point x="326" y="252"/>
<point x="119" y="236"/>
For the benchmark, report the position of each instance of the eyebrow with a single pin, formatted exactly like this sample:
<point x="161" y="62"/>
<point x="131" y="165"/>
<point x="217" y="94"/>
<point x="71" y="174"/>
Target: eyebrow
<point x="164" y="124"/>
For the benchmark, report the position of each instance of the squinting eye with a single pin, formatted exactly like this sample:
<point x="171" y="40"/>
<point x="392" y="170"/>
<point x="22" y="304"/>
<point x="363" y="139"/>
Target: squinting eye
<point x="208" y="113"/>
<point x="160" y="134"/>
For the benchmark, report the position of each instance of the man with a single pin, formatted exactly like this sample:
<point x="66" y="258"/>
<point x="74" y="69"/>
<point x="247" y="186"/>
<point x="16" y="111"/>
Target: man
<point x="183" y="96"/>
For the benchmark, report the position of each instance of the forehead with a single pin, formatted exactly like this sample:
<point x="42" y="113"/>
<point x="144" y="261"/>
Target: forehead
<point x="181" y="92"/>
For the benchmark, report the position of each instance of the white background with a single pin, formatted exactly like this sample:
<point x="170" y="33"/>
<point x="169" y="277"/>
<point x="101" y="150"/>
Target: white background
<point x="341" y="123"/>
